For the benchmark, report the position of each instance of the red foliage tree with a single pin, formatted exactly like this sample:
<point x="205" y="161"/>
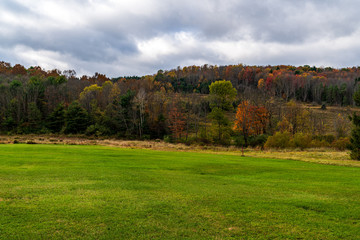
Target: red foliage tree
<point x="18" y="70"/>
<point x="176" y="122"/>
<point x="250" y="120"/>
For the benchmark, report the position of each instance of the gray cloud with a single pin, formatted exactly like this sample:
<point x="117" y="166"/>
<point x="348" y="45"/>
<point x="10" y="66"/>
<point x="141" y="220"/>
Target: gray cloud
<point x="140" y="37"/>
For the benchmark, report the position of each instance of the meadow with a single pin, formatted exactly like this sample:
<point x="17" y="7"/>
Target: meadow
<point x="103" y="192"/>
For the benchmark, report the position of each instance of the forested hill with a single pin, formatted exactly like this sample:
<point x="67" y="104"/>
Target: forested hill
<point x="304" y="83"/>
<point x="35" y="100"/>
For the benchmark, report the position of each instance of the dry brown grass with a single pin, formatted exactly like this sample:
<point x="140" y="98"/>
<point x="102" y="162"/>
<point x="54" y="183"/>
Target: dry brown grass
<point x="323" y="156"/>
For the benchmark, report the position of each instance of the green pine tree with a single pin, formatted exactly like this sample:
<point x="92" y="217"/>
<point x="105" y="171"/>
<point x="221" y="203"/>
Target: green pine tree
<point x="56" y="119"/>
<point x="355" y="138"/>
<point x="222" y="94"/>
<point x="76" y="118"/>
<point x="355" y="133"/>
<point x="34" y="118"/>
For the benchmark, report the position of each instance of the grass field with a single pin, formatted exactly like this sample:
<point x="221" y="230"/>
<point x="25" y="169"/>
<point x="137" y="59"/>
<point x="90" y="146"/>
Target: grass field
<point x="96" y="192"/>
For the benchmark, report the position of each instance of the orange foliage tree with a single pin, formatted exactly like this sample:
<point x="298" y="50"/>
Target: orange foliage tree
<point x="250" y="120"/>
<point x="176" y="122"/>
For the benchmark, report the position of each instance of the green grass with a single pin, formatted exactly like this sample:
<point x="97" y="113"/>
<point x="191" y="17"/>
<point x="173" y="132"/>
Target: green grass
<point x="92" y="192"/>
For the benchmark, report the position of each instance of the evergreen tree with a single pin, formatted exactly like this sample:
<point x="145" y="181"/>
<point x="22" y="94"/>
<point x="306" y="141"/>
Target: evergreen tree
<point x="355" y="138"/>
<point x="222" y="95"/>
<point x="355" y="134"/>
<point x="357" y="97"/>
<point x="34" y="117"/>
<point x="76" y="118"/>
<point x="56" y="119"/>
<point x="118" y="115"/>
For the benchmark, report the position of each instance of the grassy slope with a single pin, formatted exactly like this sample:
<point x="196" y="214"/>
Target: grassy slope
<point x="51" y="191"/>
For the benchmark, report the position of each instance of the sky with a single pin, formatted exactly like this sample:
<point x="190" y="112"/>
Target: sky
<point x="139" y="37"/>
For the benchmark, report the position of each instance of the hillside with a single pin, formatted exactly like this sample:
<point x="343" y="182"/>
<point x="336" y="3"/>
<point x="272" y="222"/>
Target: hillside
<point x="175" y="104"/>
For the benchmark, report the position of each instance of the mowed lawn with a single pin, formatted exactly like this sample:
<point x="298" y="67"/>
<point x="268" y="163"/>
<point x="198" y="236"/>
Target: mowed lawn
<point x="93" y="192"/>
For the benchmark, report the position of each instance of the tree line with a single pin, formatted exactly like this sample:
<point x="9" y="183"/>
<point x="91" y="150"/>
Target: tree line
<point x="234" y="104"/>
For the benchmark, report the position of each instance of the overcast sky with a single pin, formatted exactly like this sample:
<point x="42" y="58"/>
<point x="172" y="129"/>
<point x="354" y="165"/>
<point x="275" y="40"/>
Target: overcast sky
<point x="138" y="37"/>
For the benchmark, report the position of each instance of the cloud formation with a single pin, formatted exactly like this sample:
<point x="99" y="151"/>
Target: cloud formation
<point x="120" y="37"/>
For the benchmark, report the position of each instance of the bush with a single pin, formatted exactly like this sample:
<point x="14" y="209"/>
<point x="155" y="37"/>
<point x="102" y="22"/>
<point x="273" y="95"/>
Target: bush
<point x="168" y="139"/>
<point x="91" y="130"/>
<point x="189" y="141"/>
<point x="258" y="140"/>
<point x="204" y="136"/>
<point x="316" y="143"/>
<point x="226" y="139"/>
<point x="341" y="144"/>
<point x="328" y="138"/>
<point x="279" y="140"/>
<point x="96" y="130"/>
<point x="239" y="141"/>
<point x="301" y="140"/>
<point x="145" y="137"/>
<point x="26" y="128"/>
<point x="44" y="130"/>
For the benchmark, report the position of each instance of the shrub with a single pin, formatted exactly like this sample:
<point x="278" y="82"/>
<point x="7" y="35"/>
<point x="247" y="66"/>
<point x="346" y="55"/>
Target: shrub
<point x="91" y="130"/>
<point x="341" y="144"/>
<point x="279" y="140"/>
<point x="239" y="141"/>
<point x="168" y="139"/>
<point x="44" y="130"/>
<point x="145" y="137"/>
<point x="301" y="140"/>
<point x="328" y="138"/>
<point x="204" y="136"/>
<point x="189" y="141"/>
<point x="316" y="143"/>
<point x="97" y="130"/>
<point x="226" y="139"/>
<point x="258" y="140"/>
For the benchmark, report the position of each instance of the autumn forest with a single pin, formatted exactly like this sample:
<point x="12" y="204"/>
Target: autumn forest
<point x="260" y="106"/>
